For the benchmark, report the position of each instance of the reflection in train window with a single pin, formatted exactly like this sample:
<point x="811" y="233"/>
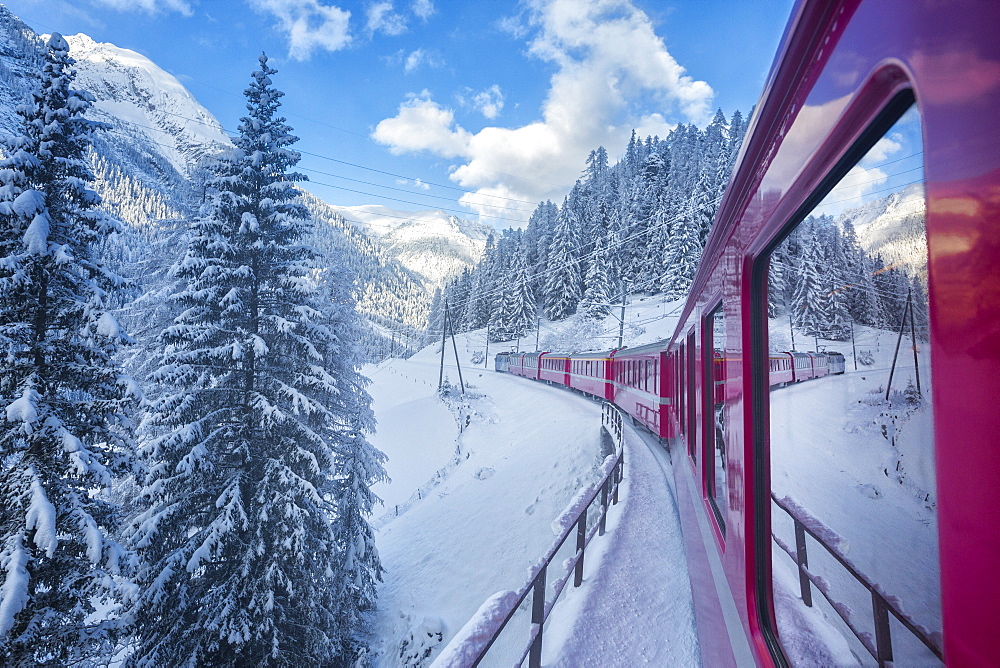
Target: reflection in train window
<point x="854" y="556"/>
<point x="692" y="415"/>
<point x="681" y="403"/>
<point x="715" y="399"/>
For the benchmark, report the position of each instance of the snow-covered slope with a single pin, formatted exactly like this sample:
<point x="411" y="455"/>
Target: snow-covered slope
<point x="892" y="226"/>
<point x="146" y="104"/>
<point x="433" y="244"/>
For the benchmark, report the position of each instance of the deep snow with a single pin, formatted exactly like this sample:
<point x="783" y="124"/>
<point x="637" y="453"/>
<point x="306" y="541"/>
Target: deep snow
<point x="471" y="509"/>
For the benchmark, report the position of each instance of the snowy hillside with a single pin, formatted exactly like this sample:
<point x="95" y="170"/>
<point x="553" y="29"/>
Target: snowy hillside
<point x="433" y="244"/>
<point x="892" y="226"/>
<point x="20" y="49"/>
<point x="469" y="509"/>
<point x="146" y="104"/>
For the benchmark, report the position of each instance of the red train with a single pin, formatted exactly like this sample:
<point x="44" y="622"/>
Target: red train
<point x="854" y="518"/>
<point x="641" y="380"/>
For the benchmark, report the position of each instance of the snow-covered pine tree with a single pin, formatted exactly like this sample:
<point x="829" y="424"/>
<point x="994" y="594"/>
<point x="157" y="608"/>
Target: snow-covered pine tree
<point x="808" y="306"/>
<point x="66" y="404"/>
<point x="862" y="303"/>
<point x="563" y="286"/>
<point x="357" y="463"/>
<point x="598" y="292"/>
<point x="546" y="216"/>
<point x="475" y="311"/>
<point x="244" y="562"/>
<point x="776" y="273"/>
<point x="683" y="253"/>
<point x="838" y="326"/>
<point x="519" y="304"/>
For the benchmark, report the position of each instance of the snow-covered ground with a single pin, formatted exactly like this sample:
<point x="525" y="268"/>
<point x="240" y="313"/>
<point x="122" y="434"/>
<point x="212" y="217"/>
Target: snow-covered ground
<point x="476" y="527"/>
<point x="470" y="508"/>
<point x="862" y="468"/>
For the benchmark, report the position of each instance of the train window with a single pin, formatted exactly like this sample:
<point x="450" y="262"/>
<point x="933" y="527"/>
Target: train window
<point x="681" y="404"/>
<point x="692" y="416"/>
<point x="854" y="553"/>
<point x="715" y="409"/>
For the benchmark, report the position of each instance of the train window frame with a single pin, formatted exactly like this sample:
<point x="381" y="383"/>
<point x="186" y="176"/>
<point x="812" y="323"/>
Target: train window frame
<point x="681" y="387"/>
<point x="692" y="397"/>
<point x="708" y="430"/>
<point x="894" y="106"/>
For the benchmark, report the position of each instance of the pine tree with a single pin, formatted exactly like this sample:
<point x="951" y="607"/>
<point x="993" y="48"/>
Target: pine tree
<point x="809" y="312"/>
<point x="836" y="271"/>
<point x="358" y="464"/>
<point x="683" y="254"/>
<point x="563" y="284"/>
<point x="66" y="403"/>
<point x="597" y="295"/>
<point x="243" y="538"/>
<point x="519" y="304"/>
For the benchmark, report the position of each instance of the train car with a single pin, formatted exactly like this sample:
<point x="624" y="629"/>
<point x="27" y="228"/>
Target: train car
<point x="591" y="373"/>
<point x="810" y="541"/>
<point x="516" y="364"/>
<point x="802" y="368"/>
<point x="642" y="386"/>
<point x="554" y="368"/>
<point x="502" y="362"/>
<point x="530" y="365"/>
<point x="836" y="363"/>
<point x="819" y="364"/>
<point x="780" y="369"/>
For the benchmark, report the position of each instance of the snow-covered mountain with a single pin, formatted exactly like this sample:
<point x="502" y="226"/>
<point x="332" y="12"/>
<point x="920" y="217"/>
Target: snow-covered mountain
<point x="150" y="162"/>
<point x="146" y="105"/>
<point x="892" y="226"/>
<point x="433" y="244"/>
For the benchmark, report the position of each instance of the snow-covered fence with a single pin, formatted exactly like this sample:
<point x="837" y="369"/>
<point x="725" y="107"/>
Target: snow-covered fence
<point x="880" y="647"/>
<point x="471" y="644"/>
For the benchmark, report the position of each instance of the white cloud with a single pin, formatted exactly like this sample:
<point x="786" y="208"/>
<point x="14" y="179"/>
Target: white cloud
<point x="149" y="6"/>
<point x="382" y="17"/>
<point x="850" y="191"/>
<point x="883" y="148"/>
<point x="608" y="61"/>
<point x="489" y="102"/>
<point x="423" y="8"/>
<point x="422" y="57"/>
<point x="416" y="182"/>
<point x="309" y="25"/>
<point x="423" y="125"/>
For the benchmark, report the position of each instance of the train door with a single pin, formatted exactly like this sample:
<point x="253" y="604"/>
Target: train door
<point x="851" y="562"/>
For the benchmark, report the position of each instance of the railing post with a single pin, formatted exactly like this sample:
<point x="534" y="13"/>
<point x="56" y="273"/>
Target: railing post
<point x="604" y="505"/>
<point x="883" y="640"/>
<point x="537" y="617"/>
<point x="802" y="560"/>
<point x="581" y="546"/>
<point x="619" y="474"/>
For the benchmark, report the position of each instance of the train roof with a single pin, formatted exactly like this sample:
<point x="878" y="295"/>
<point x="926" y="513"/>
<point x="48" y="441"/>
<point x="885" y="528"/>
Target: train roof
<point x="645" y="349"/>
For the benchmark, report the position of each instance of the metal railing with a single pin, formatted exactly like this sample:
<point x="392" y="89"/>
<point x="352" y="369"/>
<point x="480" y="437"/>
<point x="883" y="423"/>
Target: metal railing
<point x="882" y="605"/>
<point x="470" y="646"/>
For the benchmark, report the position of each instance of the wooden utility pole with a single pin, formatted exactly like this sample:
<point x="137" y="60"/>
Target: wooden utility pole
<point x="621" y="321"/>
<point x="444" y="334"/>
<point x="902" y="328"/>
<point x="454" y="347"/>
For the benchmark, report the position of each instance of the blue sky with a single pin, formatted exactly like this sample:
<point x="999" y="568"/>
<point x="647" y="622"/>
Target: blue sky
<point x="492" y="106"/>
